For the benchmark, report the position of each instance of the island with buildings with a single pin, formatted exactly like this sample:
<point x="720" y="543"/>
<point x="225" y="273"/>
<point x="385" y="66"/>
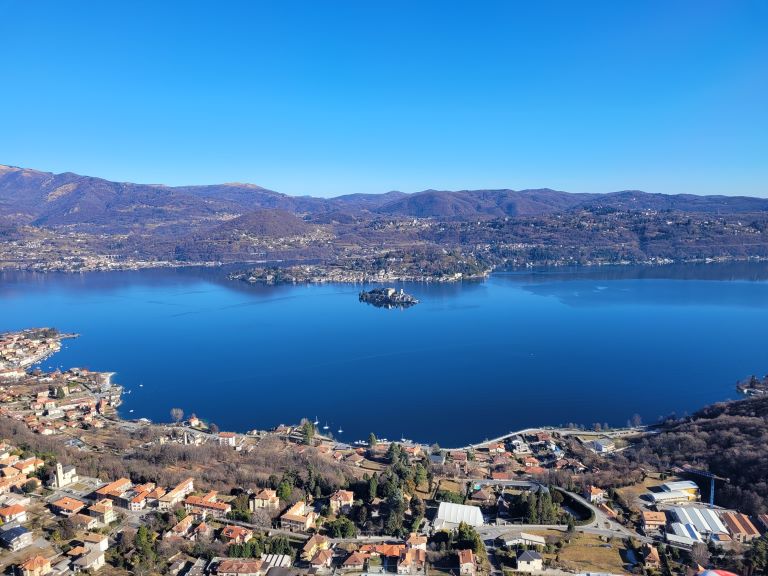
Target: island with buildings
<point x="388" y="298"/>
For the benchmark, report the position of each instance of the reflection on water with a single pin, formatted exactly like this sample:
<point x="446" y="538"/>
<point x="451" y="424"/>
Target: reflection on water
<point x="472" y="360"/>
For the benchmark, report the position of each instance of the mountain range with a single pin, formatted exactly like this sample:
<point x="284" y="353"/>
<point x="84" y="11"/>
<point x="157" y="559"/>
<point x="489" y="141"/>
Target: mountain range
<point x="46" y="199"/>
<point x="68" y="221"/>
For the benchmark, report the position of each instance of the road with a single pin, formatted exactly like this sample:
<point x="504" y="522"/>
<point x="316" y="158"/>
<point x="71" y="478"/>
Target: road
<point x="602" y="525"/>
<point x="562" y="431"/>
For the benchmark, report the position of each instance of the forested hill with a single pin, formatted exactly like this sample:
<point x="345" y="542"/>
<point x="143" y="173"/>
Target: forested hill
<point x="73" y="222"/>
<point x="729" y="439"/>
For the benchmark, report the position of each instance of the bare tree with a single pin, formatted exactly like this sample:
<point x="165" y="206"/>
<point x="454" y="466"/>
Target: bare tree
<point x="177" y="414"/>
<point x="700" y="554"/>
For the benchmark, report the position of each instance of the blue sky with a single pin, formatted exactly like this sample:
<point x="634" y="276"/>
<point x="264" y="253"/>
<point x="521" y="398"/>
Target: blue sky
<point x="335" y="97"/>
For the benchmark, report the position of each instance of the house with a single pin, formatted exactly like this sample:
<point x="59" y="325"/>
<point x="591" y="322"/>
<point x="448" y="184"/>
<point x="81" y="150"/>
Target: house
<point x="67" y="506"/>
<point x="181" y="529"/>
<point x="530" y="462"/>
<point x="14" y="537"/>
<point x="459" y="456"/>
<point x="84" y="522"/>
<point x="227" y="439"/>
<point x="388" y="550"/>
<point x="97" y="541"/>
<point x="201" y="531"/>
<point x="522" y="539"/>
<point x="322" y="559"/>
<point x="207" y="506"/>
<point x="313" y="546"/>
<point x="416" y="541"/>
<point x="239" y="567"/>
<point x="529" y="561"/>
<point x="176" y="495"/>
<point x="602" y="446"/>
<point x="114" y="489"/>
<point x="298" y="517"/>
<point x="92" y="560"/>
<point x="466" y="562"/>
<point x="265" y="499"/>
<point x="594" y="494"/>
<point x="519" y="446"/>
<point x="29" y="465"/>
<point x="651" y="559"/>
<point x="482" y="496"/>
<point x="497" y="448"/>
<point x="412" y="561"/>
<point x="154" y="496"/>
<point x="34" y="566"/>
<point x="138" y="500"/>
<point x="341" y="501"/>
<point x="235" y="534"/>
<point x="103" y="511"/>
<point x="16" y="512"/>
<point x="501" y="475"/>
<point x="740" y="526"/>
<point x="438" y="459"/>
<point x="355" y="561"/>
<point x="653" y="521"/>
<point x="64" y="476"/>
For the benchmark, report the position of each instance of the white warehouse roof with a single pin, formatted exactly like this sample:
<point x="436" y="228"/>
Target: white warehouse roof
<point x="450" y="515"/>
<point x="703" y="519"/>
<point x="679" y="485"/>
<point x="670" y="496"/>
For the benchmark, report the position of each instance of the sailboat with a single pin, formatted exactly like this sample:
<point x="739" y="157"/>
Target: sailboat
<point x="316" y="422"/>
<point x="340" y="430"/>
<point x="326" y="426"/>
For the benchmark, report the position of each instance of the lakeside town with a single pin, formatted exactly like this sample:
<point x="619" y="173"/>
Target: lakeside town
<point x="83" y="490"/>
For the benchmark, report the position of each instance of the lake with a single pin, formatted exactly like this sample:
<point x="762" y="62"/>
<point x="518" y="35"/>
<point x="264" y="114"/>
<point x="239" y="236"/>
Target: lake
<point x="471" y="361"/>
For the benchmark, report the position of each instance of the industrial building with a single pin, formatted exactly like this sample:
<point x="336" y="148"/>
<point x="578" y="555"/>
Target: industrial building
<point x="450" y="515"/>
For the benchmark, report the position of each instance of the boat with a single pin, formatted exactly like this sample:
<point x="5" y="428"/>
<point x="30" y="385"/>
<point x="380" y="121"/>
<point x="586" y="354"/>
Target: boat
<point x="130" y="411"/>
<point x="326" y="426"/>
<point x="316" y="422"/>
<point x="340" y="431"/>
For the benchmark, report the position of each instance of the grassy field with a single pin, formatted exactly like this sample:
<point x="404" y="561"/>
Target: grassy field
<point x="588" y="553"/>
<point x="452" y="486"/>
<point x="371" y="466"/>
<point x="631" y="494"/>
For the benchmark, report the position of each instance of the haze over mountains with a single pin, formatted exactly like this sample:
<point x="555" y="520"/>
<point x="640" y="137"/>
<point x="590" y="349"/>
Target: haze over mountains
<point x="46" y="199"/>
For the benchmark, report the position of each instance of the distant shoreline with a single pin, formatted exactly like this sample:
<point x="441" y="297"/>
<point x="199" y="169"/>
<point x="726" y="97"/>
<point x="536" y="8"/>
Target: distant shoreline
<point x="356" y="277"/>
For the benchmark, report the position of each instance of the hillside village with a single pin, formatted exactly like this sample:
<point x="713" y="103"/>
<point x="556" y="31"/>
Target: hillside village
<point x="535" y="501"/>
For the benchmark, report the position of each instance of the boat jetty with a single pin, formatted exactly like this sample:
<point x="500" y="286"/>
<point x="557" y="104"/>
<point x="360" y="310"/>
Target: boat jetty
<point x="388" y="298"/>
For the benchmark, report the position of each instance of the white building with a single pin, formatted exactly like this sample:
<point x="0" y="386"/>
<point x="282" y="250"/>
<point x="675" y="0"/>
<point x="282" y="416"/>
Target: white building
<point x="450" y="515"/>
<point x="530" y="561"/>
<point x="64" y="476"/>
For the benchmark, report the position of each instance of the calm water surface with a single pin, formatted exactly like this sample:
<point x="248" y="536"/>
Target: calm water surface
<point x="471" y="361"/>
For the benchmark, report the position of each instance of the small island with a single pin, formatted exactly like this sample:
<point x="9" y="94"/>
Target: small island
<point x="388" y="298"/>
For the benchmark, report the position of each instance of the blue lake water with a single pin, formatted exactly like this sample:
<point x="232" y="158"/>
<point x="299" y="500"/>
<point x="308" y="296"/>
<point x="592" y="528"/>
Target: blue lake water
<point x="472" y="361"/>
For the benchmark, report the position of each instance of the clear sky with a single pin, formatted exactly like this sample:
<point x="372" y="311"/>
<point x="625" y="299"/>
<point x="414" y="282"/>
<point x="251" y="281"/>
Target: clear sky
<point x="334" y="97"/>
